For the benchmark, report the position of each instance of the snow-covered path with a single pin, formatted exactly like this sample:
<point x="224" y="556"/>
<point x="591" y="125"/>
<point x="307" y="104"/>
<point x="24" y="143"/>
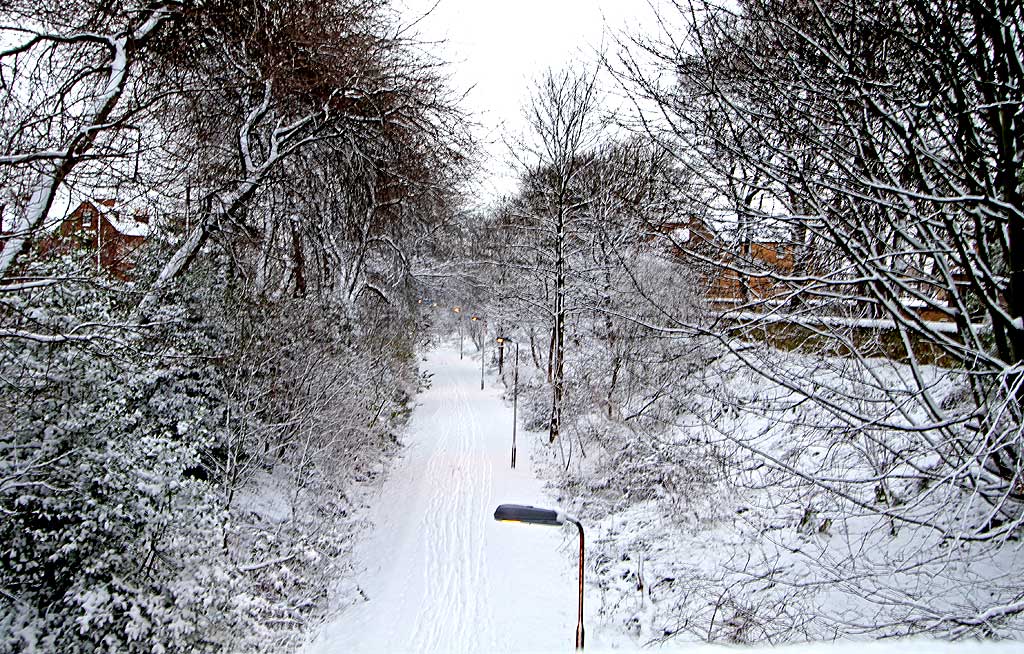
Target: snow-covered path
<point x="439" y="573"/>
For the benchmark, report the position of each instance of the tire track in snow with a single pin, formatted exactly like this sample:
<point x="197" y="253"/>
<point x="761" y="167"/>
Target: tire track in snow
<point x="452" y="566"/>
<point x="475" y="500"/>
<point x="425" y="629"/>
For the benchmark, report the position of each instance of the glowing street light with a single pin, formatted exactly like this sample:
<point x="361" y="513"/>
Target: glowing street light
<point x="531" y="515"/>
<point x="501" y="354"/>
<point x="515" y="389"/>
<point x="458" y="311"/>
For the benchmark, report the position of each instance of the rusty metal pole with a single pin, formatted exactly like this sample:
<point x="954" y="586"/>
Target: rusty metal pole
<point x="483" y="346"/>
<point x="515" y="404"/>
<point x="579" y="622"/>
<point x="535" y="516"/>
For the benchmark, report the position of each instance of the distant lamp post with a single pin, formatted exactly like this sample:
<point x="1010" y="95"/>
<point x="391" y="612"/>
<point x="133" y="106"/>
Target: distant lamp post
<point x="483" y="347"/>
<point x="458" y="312"/>
<point x="501" y="354"/>
<point x="533" y="516"/>
<point x="515" y="389"/>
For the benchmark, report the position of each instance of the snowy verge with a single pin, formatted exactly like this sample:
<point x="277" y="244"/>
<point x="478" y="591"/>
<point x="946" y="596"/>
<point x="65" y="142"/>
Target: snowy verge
<point x="714" y="522"/>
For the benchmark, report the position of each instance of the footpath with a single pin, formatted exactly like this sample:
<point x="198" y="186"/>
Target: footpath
<point x="438" y="572"/>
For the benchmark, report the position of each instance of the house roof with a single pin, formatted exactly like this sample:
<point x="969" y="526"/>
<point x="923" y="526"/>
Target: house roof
<point x="126" y="226"/>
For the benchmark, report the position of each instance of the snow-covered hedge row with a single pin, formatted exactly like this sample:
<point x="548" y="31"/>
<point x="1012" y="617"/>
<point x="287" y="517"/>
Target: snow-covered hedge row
<point x="182" y="487"/>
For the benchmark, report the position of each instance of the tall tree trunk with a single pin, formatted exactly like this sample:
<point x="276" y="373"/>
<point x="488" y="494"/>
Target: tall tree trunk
<point x="298" y="259"/>
<point x="551" y="356"/>
<point x="558" y="382"/>
<point x="533" y="348"/>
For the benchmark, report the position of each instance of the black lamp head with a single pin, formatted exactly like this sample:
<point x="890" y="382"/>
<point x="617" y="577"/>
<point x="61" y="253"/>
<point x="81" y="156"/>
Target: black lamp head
<point x="528" y="514"/>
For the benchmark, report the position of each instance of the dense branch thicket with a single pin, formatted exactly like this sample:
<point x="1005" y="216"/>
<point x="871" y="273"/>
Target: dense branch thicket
<point x="887" y="158"/>
<point x="854" y="192"/>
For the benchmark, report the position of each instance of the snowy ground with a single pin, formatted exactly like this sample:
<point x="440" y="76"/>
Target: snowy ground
<point x="437" y="572"/>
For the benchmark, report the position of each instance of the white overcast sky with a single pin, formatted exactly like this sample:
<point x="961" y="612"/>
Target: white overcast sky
<point x="498" y="47"/>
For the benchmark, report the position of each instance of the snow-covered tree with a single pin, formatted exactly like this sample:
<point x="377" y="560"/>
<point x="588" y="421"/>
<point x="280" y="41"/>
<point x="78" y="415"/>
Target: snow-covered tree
<point x="880" y="143"/>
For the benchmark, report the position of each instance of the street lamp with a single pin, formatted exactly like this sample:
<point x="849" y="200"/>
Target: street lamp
<point x="531" y="515"/>
<point x="483" y="347"/>
<point x="457" y="311"/>
<point x="515" y="390"/>
<point x="501" y="355"/>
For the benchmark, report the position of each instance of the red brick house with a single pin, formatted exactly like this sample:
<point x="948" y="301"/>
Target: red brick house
<point x="719" y="260"/>
<point x="762" y="256"/>
<point x="100" y="227"/>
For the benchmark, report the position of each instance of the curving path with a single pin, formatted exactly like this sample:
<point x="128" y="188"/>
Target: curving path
<point x="438" y="572"/>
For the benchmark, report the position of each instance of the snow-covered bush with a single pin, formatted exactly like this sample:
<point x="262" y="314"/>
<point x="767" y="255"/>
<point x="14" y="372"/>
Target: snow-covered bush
<point x="141" y="468"/>
<point x="103" y="521"/>
<point x="774" y="493"/>
<point x="757" y="516"/>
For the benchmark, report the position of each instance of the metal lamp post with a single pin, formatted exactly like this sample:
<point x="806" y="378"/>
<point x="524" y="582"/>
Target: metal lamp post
<point x="515" y="392"/>
<point x="533" y="516"/>
<point x="458" y="312"/>
<point x="483" y="348"/>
